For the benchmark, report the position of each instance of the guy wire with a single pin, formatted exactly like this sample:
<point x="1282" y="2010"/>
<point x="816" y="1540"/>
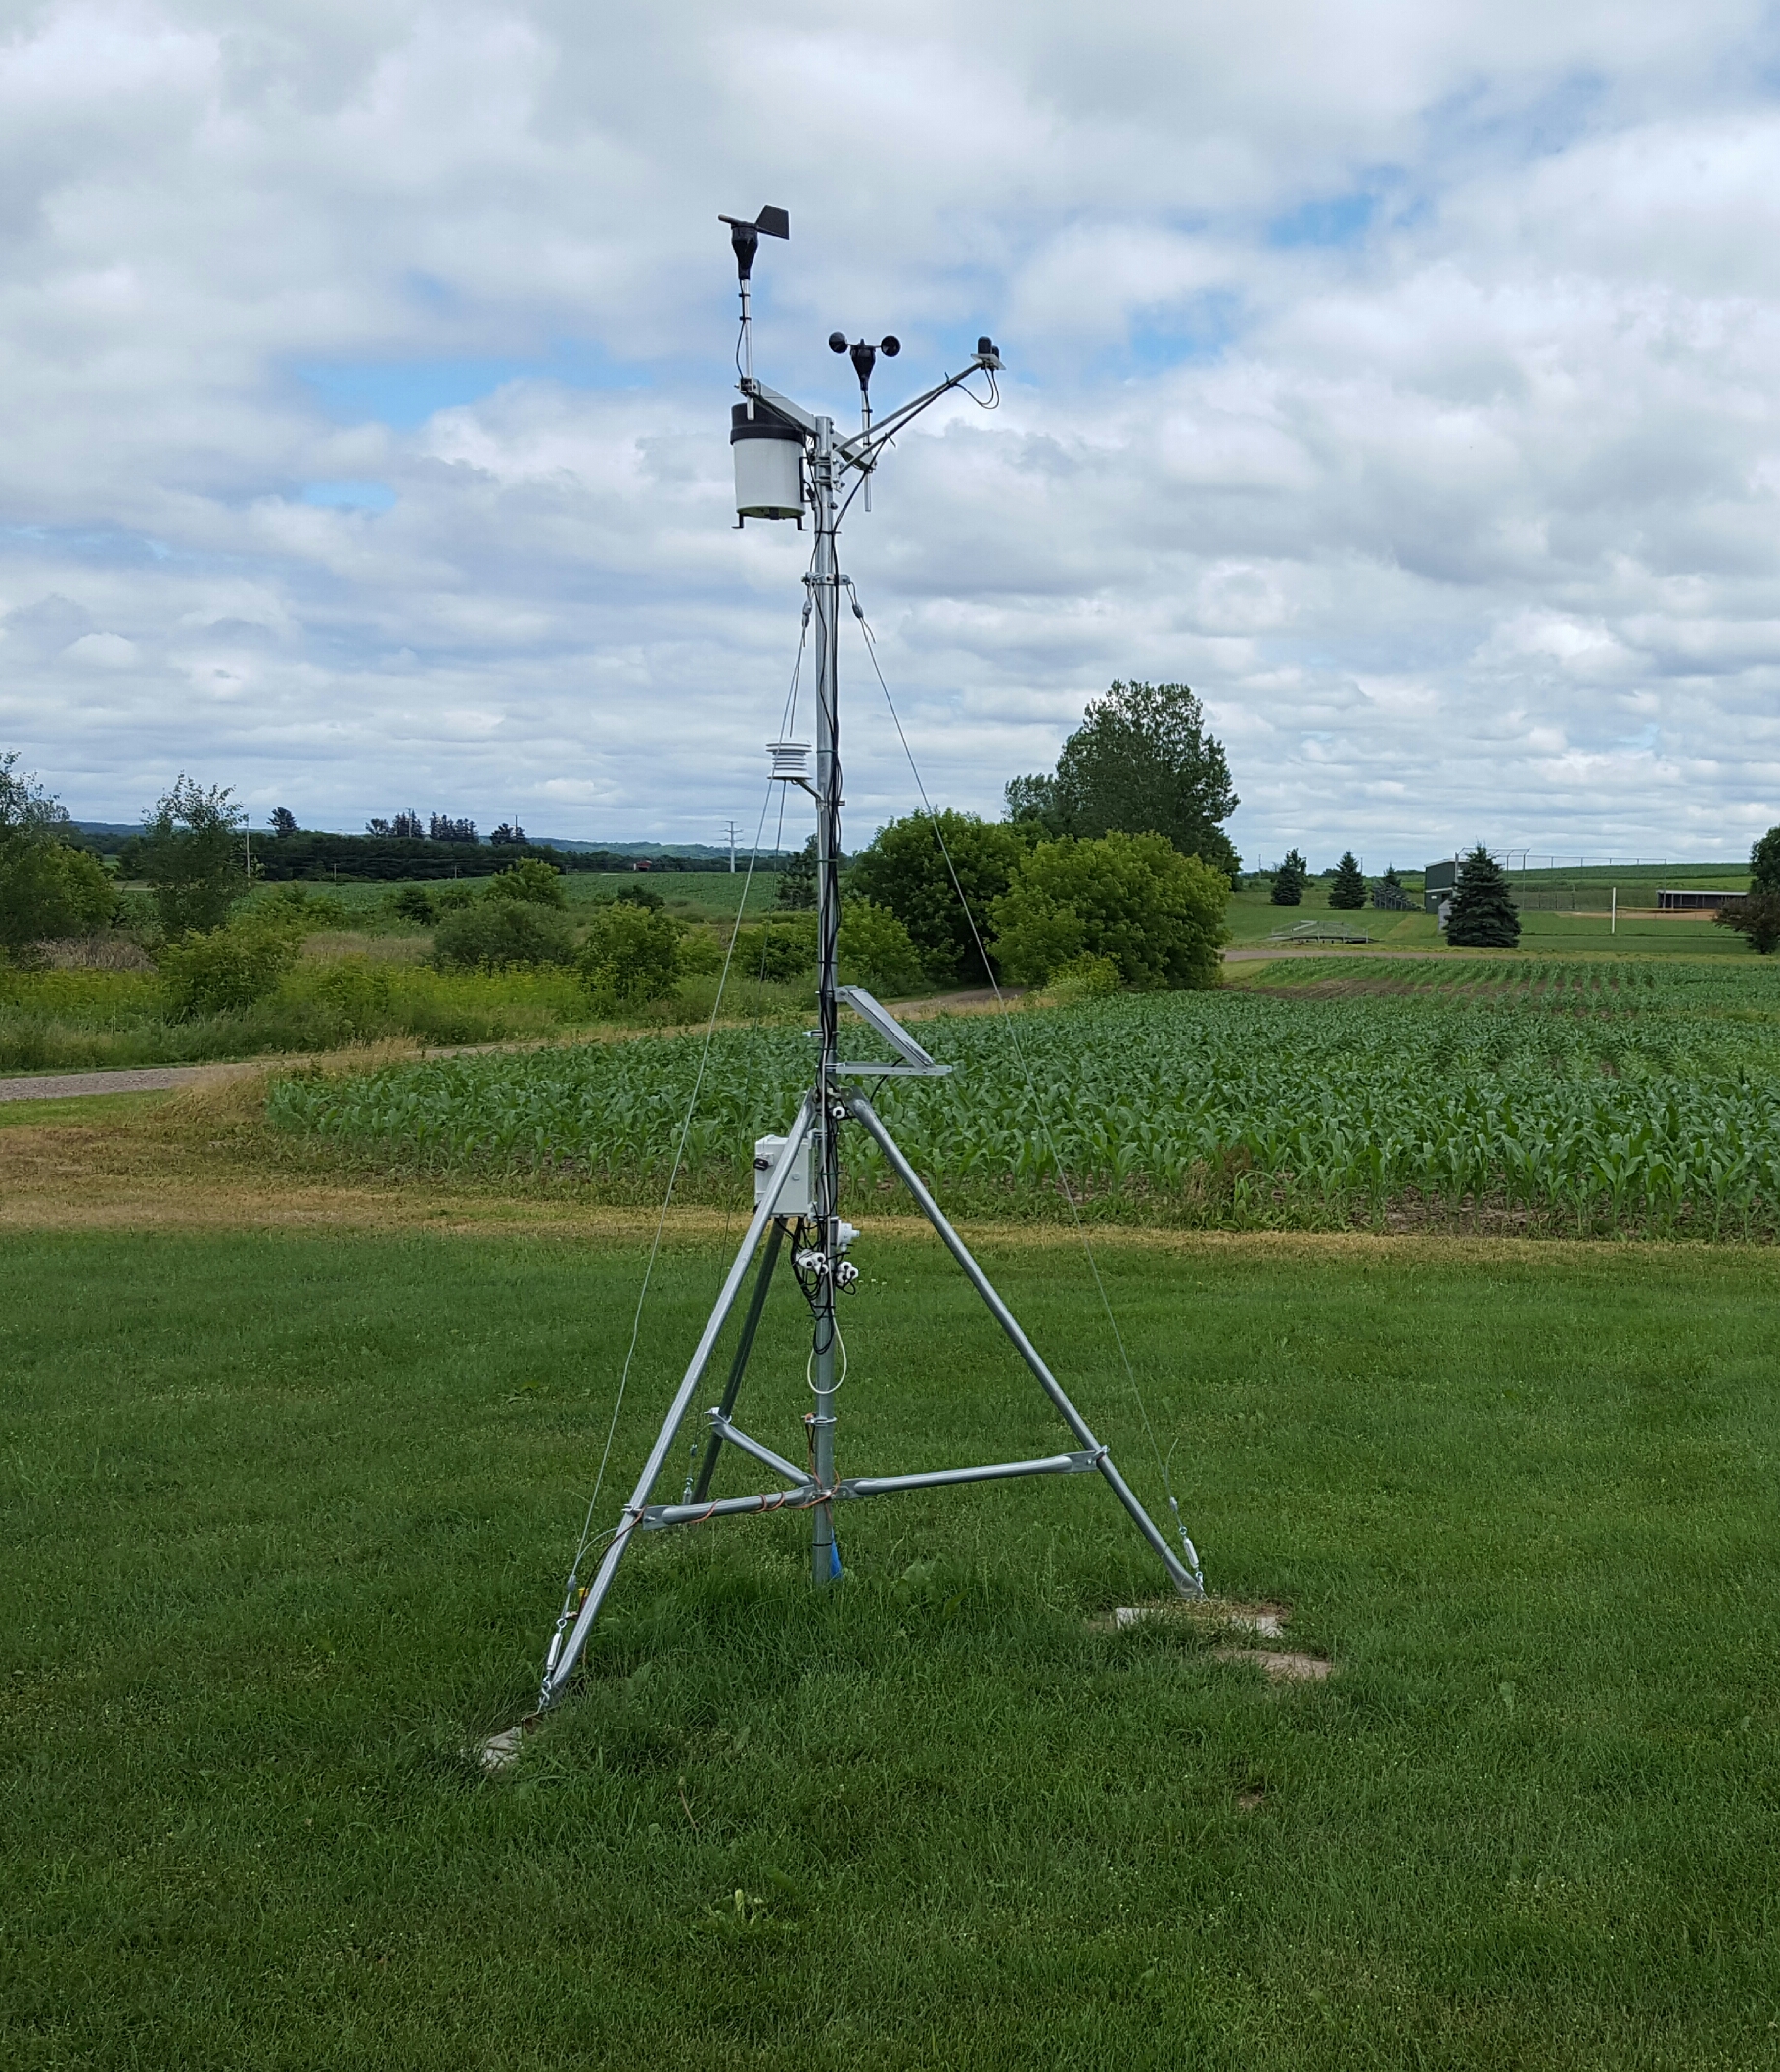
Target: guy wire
<point x="1045" y="1123"/>
<point x="691" y="1108"/>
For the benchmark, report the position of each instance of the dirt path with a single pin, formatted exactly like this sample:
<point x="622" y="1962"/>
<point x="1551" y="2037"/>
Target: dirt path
<point x="142" y="1078"/>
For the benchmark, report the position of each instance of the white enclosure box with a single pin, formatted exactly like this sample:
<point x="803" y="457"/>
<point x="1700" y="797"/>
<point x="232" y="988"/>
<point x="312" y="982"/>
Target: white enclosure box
<point x="795" y="1194"/>
<point x="769" y="454"/>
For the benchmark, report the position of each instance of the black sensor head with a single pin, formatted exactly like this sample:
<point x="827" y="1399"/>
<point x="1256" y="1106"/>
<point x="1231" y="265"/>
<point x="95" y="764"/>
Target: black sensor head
<point x="745" y="237"/>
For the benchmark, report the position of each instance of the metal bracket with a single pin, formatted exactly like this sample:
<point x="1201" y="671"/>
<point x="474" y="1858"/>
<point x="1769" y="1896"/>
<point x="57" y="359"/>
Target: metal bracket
<point x="916" y="1062"/>
<point x="764" y="1454"/>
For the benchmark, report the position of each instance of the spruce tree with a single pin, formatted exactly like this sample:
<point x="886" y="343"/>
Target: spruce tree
<point x="1484" y="915"/>
<point x="1347" y="894"/>
<point x="1290" y="878"/>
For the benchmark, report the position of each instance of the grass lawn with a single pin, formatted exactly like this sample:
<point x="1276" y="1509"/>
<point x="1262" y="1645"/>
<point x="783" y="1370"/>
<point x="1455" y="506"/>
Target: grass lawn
<point x="286" y="1521"/>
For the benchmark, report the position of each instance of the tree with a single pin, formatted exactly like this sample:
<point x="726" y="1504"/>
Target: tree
<point x="1290" y="879"/>
<point x="191" y="856"/>
<point x="48" y="889"/>
<point x="284" y="820"/>
<point x="534" y="879"/>
<point x="1031" y="802"/>
<point x="1347" y="894"/>
<point x="906" y="870"/>
<point x="507" y="834"/>
<point x="1757" y="917"/>
<point x="632" y="956"/>
<point x="798" y="880"/>
<point x="1765" y="862"/>
<point x="1142" y="762"/>
<point x="1388" y="895"/>
<point x="441" y="827"/>
<point x="1132" y="899"/>
<point x="875" y="950"/>
<point x="1484" y="915"/>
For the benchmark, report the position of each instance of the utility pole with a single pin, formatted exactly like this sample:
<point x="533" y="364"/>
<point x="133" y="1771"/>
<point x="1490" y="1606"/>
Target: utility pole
<point x="733" y="831"/>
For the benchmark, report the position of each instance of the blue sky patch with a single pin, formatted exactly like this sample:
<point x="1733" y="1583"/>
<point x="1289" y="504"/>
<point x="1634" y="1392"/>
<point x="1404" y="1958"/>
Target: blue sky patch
<point x="350" y="495"/>
<point x="1337" y="220"/>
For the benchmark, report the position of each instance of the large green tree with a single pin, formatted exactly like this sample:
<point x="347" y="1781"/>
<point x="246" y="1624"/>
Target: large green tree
<point x="1142" y="762"/>
<point x="1483" y="914"/>
<point x="192" y="854"/>
<point x="48" y="888"/>
<point x="1347" y="894"/>
<point x="1132" y="899"/>
<point x="1765" y="862"/>
<point x="905" y="869"/>
<point x="1290" y="879"/>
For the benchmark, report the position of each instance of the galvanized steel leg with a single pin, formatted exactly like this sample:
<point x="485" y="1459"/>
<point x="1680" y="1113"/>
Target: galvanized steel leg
<point x="745" y="1345"/>
<point x="862" y="1111"/>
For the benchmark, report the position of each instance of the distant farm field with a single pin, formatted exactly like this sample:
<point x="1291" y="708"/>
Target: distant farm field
<point x="287" y="1517"/>
<point x="1630" y="1097"/>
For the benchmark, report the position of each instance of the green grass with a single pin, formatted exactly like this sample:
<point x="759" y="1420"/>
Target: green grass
<point x="286" y="1525"/>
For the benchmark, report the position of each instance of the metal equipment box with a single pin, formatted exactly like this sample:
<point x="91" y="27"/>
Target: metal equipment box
<point x="796" y="1195"/>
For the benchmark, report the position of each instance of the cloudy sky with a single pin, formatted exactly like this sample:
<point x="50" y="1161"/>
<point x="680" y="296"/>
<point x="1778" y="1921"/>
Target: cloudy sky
<point x="1401" y="377"/>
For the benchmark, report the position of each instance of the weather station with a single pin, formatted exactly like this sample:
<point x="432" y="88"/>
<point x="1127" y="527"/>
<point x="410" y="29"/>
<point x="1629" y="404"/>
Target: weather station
<point x="794" y="464"/>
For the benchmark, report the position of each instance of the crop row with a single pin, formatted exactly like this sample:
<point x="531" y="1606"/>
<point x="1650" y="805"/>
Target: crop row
<point x="1228" y="1107"/>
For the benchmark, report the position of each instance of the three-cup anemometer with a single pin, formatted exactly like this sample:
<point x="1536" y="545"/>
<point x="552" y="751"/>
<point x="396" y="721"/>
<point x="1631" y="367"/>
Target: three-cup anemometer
<point x="792" y="464"/>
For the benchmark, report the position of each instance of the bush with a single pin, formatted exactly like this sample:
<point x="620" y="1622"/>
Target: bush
<point x="632" y="956"/>
<point x="1757" y="917"/>
<point x="1084" y="978"/>
<point x="223" y="970"/>
<point x="50" y="891"/>
<point x="355" y="995"/>
<point x="1135" y="900"/>
<point x="639" y="895"/>
<point x="875" y="950"/>
<point x="533" y="880"/>
<point x="776" y="953"/>
<point x="297" y="909"/>
<point x="499" y="935"/>
<point x="454" y="897"/>
<point x="413" y="902"/>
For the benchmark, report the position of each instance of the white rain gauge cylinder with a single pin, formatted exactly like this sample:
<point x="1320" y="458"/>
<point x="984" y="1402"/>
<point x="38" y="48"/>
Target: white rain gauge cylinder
<point x="769" y="454"/>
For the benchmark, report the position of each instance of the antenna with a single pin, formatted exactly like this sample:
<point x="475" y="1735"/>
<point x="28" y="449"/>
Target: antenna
<point x="788" y="461"/>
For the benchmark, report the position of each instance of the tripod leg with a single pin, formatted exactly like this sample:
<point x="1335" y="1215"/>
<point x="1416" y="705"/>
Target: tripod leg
<point x="751" y="1324"/>
<point x="566" y="1648"/>
<point x="1184" y="1580"/>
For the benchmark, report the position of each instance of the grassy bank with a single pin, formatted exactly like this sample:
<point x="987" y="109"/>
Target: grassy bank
<point x="287" y="1522"/>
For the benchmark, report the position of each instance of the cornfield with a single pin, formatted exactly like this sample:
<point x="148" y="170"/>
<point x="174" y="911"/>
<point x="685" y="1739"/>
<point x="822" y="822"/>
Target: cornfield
<point x="1581" y="1098"/>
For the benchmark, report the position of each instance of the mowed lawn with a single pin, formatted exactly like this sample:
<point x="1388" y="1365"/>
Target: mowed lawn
<point x="287" y="1519"/>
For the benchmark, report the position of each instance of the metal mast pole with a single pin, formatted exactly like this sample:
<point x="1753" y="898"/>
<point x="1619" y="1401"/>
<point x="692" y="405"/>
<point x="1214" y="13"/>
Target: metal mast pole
<point x="825" y="591"/>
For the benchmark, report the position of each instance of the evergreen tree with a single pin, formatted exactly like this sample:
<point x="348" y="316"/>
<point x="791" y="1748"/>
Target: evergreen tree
<point x="1484" y="915"/>
<point x="798" y="880"/>
<point x="1347" y="894"/>
<point x="284" y="820"/>
<point x="1290" y="878"/>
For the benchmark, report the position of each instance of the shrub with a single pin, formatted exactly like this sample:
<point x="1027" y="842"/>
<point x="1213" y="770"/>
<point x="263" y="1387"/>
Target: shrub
<point x="533" y="880"/>
<point x="1757" y="917"/>
<point x="875" y="950"/>
<point x="354" y="995"/>
<point x="497" y="935"/>
<point x="632" y="956"/>
<point x="452" y="898"/>
<point x="1157" y="915"/>
<point x="296" y="908"/>
<point x="49" y="891"/>
<point x="413" y="902"/>
<point x="1083" y="978"/>
<point x="223" y="969"/>
<point x="639" y="894"/>
<point x="776" y="953"/>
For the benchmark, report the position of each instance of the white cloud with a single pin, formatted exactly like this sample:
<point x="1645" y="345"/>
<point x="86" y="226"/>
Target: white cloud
<point x="1401" y="377"/>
